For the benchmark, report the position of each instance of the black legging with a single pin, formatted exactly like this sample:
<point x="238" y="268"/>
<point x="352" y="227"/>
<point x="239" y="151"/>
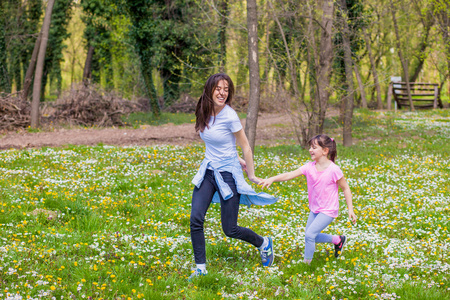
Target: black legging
<point x="201" y="199"/>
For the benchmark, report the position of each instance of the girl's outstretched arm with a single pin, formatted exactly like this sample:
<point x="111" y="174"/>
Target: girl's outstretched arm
<point x="281" y="177"/>
<point x="242" y="140"/>
<point x="348" y="198"/>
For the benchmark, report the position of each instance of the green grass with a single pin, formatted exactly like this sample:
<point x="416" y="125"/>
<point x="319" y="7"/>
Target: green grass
<point x="122" y="229"/>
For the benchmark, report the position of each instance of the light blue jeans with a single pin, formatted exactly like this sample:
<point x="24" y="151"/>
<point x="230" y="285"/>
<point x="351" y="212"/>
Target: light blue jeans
<point x="314" y="226"/>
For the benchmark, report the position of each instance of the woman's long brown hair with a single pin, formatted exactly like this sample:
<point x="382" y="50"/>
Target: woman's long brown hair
<point x="205" y="105"/>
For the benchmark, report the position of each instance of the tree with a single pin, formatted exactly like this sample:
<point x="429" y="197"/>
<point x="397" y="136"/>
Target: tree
<point x="253" y="62"/>
<point x="285" y="55"/>
<point x="222" y="34"/>
<point x="351" y="18"/>
<point x="401" y="56"/>
<point x="374" y="69"/>
<point x="98" y="15"/>
<point x="31" y="68"/>
<point x="139" y="16"/>
<point x="324" y="68"/>
<point x="442" y="15"/>
<point x="425" y="12"/>
<point x="61" y="15"/>
<point x="348" y="107"/>
<point x="35" y="9"/>
<point x="19" y="21"/>
<point x="305" y="35"/>
<point x="40" y="65"/>
<point x="16" y="16"/>
<point x="170" y="38"/>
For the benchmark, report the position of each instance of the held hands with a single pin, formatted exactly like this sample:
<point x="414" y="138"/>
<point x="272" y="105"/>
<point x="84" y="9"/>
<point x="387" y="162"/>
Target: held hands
<point x="255" y="179"/>
<point x="266" y="182"/>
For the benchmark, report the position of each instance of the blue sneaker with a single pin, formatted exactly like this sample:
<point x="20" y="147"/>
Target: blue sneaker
<point x="197" y="273"/>
<point x="267" y="254"/>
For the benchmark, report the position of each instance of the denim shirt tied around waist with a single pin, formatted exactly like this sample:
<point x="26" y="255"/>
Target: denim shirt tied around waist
<point x="232" y="165"/>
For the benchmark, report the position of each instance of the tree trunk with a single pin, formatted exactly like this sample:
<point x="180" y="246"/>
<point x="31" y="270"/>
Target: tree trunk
<point x="389" y="96"/>
<point x="325" y="63"/>
<point x="253" y="63"/>
<point x="222" y="38"/>
<point x="313" y="65"/>
<point x="88" y="65"/>
<point x="402" y="59"/>
<point x="361" y="87"/>
<point x="349" y="97"/>
<point x="40" y="65"/>
<point x="30" y="69"/>
<point x="374" y="69"/>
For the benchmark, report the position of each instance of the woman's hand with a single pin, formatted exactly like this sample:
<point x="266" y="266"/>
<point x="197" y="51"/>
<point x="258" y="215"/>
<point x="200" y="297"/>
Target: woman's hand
<point x="243" y="164"/>
<point x="266" y="182"/>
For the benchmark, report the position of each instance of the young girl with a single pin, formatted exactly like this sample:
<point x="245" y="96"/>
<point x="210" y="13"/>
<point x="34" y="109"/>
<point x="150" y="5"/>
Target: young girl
<point x="323" y="178"/>
<point x="220" y="178"/>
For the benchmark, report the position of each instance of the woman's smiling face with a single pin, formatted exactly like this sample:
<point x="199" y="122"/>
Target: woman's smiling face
<point x="220" y="95"/>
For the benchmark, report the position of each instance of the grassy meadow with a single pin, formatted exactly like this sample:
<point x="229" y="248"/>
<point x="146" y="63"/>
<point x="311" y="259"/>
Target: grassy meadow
<point x="108" y="222"/>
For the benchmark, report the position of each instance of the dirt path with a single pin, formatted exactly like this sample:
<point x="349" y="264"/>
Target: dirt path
<point x="271" y="128"/>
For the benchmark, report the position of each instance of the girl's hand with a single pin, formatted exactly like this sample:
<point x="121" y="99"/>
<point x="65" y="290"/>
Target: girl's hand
<point x="266" y="182"/>
<point x="243" y="165"/>
<point x="352" y="216"/>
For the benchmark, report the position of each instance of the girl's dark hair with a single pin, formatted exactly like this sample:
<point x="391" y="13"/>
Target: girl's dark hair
<point x="205" y="105"/>
<point x="325" y="141"/>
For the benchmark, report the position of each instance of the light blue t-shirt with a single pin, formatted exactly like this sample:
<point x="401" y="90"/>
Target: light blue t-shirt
<point x="220" y="142"/>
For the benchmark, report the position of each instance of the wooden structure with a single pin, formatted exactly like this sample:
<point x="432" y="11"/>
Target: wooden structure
<point x="424" y="95"/>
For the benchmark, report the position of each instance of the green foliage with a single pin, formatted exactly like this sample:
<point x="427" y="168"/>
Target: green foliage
<point x="356" y="22"/>
<point x="18" y="31"/>
<point x="168" y="36"/>
<point x="98" y="16"/>
<point x="62" y="12"/>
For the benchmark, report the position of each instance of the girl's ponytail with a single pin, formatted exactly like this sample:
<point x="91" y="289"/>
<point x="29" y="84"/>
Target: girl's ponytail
<point x="332" y="151"/>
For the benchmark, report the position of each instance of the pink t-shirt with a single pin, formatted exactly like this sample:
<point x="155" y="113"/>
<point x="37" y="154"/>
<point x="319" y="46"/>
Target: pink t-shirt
<point x="323" y="191"/>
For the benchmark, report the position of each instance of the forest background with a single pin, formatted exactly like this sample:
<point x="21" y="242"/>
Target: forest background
<point x="311" y="54"/>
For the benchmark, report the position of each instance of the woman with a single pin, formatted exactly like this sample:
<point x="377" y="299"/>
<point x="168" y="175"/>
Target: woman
<point x="220" y="177"/>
